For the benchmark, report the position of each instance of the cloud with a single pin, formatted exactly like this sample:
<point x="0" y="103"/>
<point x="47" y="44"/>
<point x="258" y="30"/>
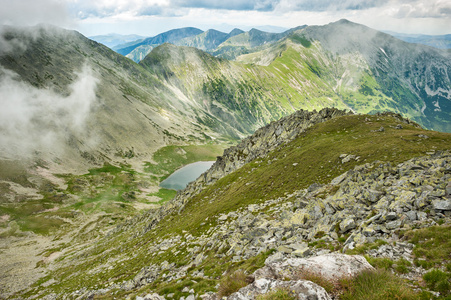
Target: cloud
<point x="330" y="5"/>
<point x="422" y="9"/>
<point x="257" y="5"/>
<point x="32" y="12"/>
<point x="33" y="119"/>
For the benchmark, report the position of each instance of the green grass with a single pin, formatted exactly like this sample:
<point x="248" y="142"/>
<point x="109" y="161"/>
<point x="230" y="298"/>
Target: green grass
<point x="278" y="294"/>
<point x="438" y="281"/>
<point x="377" y="285"/>
<point x="432" y="245"/>
<point x="164" y="194"/>
<point x="231" y="283"/>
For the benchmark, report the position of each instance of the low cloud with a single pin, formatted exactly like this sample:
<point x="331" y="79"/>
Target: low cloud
<point x="33" y="119"/>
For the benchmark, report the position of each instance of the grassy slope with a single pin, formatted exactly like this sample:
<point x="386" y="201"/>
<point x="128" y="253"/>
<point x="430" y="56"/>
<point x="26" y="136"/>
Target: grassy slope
<point x="317" y="156"/>
<point x="111" y="189"/>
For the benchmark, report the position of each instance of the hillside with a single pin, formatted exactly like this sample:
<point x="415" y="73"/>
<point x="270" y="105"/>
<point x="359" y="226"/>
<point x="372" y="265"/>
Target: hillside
<point x="329" y="182"/>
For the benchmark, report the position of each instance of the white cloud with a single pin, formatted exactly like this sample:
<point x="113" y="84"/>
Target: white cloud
<point x="422" y="9"/>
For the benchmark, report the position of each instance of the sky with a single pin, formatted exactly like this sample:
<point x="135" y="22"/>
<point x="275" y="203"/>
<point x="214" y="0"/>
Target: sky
<point x="150" y="17"/>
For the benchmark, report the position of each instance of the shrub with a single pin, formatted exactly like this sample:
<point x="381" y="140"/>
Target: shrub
<point x="377" y="284"/>
<point x="231" y="283"/>
<point x="438" y="281"/>
<point x="380" y="262"/>
<point x="278" y="294"/>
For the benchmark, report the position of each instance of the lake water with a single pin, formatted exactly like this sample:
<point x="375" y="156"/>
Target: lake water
<point x="180" y="178"/>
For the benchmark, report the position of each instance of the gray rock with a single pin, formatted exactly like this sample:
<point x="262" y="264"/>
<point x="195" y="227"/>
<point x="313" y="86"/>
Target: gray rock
<point x="332" y="266"/>
<point x="347" y="225"/>
<point x="391" y="216"/>
<point x="374" y="195"/>
<point x="422" y="216"/>
<point x="153" y="296"/>
<point x="301" y="289"/>
<point x="441" y="204"/>
<point x="284" y="249"/>
<point x="393" y="224"/>
<point x="190" y="297"/>
<point x="276" y="257"/>
<point x="448" y="189"/>
<point x="302" y="252"/>
<point x="411" y="215"/>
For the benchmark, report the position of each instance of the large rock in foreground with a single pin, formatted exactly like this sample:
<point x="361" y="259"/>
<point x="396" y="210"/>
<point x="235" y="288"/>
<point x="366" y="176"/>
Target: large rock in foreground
<point x="301" y="289"/>
<point x="331" y="266"/>
<point x="274" y="275"/>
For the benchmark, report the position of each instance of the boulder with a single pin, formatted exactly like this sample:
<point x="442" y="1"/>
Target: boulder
<point x="441" y="204"/>
<point x="393" y="224"/>
<point x="332" y="266"/>
<point x="302" y="252"/>
<point x="448" y="189"/>
<point x="301" y="289"/>
<point x="347" y="225"/>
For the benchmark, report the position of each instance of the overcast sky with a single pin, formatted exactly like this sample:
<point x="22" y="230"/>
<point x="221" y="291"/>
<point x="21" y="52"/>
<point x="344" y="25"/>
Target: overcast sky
<point x="150" y="17"/>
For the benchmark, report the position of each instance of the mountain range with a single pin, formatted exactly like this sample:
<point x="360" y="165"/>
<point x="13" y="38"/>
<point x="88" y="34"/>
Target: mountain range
<point x="181" y="94"/>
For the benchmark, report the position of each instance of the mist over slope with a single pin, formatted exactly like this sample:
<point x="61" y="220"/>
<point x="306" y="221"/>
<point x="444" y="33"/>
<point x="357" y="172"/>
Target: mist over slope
<point x="59" y="81"/>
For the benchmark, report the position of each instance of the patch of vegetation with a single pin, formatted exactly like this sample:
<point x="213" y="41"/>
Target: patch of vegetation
<point x="329" y="285"/>
<point x="164" y="194"/>
<point x="232" y="282"/>
<point x="380" y="262"/>
<point x="361" y="249"/>
<point x="278" y="294"/>
<point x="432" y="245"/>
<point x="376" y="285"/>
<point x="438" y="281"/>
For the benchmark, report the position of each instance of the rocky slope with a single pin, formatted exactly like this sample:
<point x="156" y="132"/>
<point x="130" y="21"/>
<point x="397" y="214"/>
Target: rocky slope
<point x="357" y="196"/>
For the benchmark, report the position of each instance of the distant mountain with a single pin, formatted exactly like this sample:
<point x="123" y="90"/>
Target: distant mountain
<point x="165" y="37"/>
<point x="342" y="64"/>
<point x="215" y="42"/>
<point x="248" y="42"/>
<point x="437" y="41"/>
<point x="208" y="40"/>
<point x="114" y="39"/>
